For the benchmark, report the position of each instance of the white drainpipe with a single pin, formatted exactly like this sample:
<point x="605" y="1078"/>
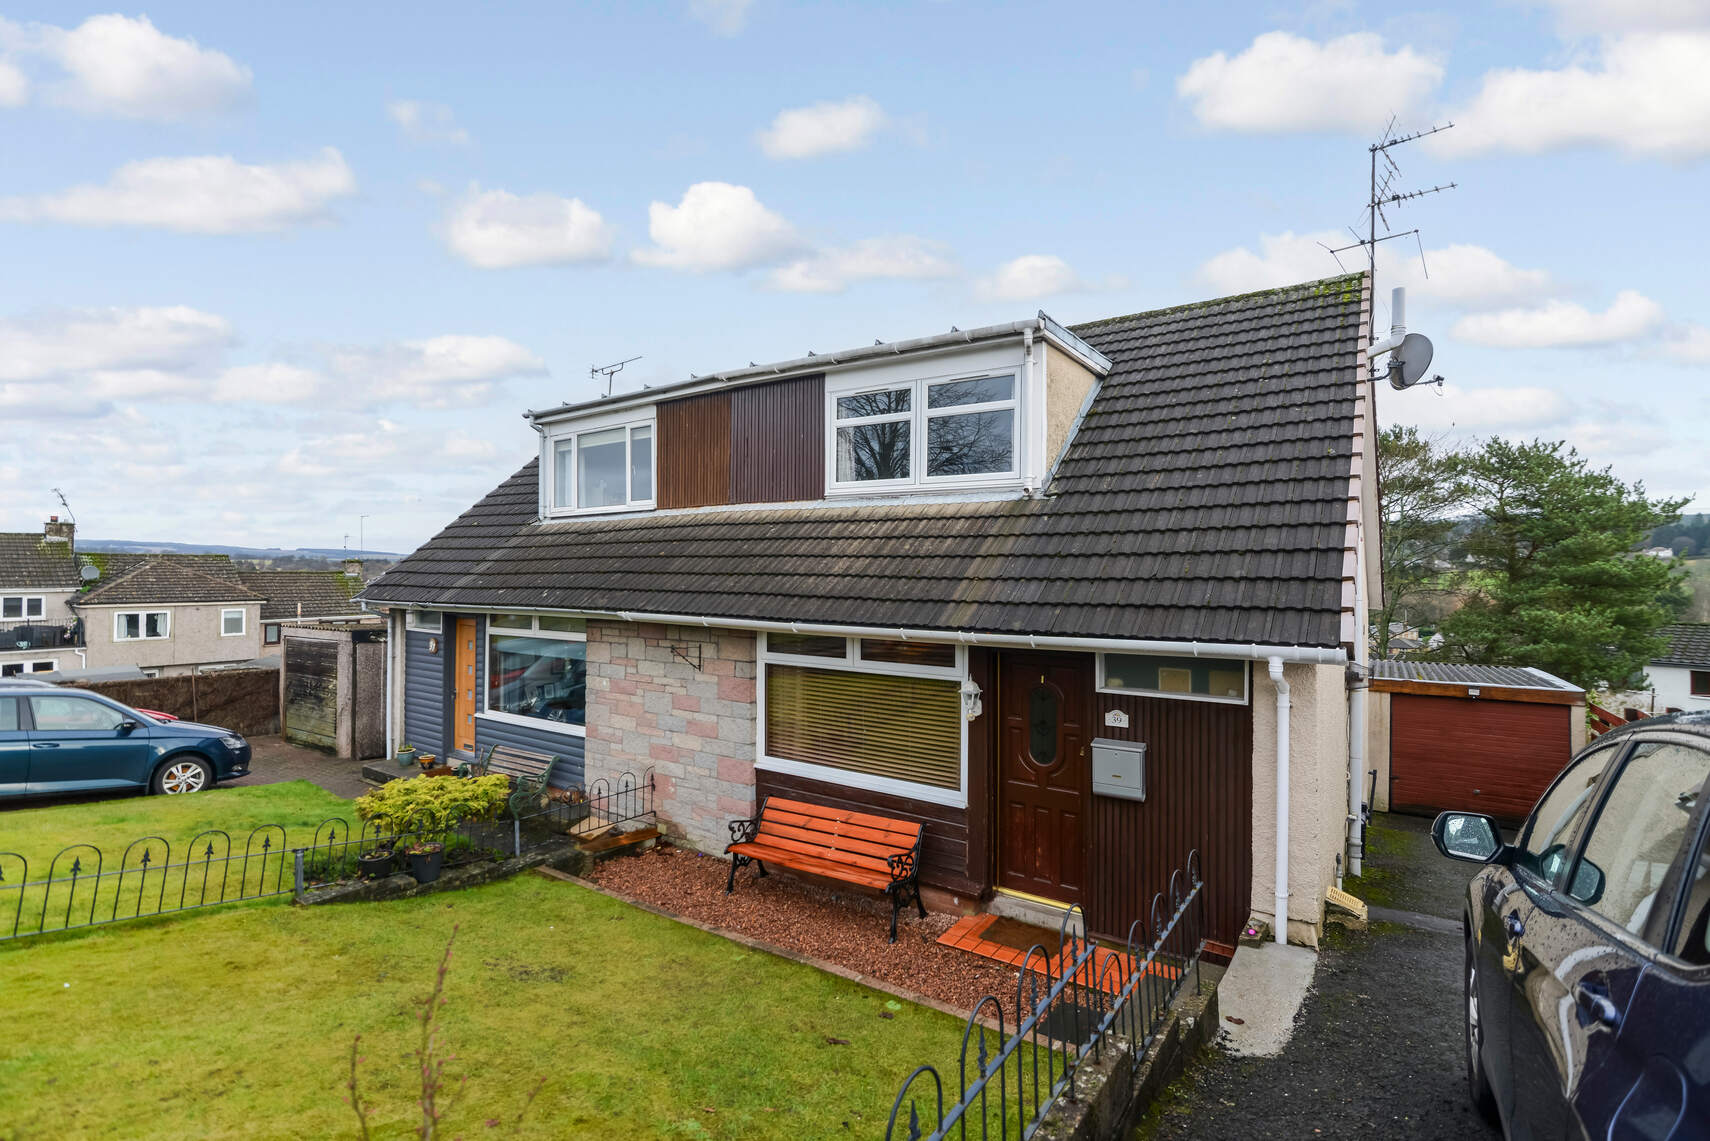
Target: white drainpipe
<point x="1276" y="670"/>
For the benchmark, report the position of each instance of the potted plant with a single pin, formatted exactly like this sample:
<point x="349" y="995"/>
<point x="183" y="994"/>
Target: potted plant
<point x="425" y="858"/>
<point x="406" y="755"/>
<point x="376" y="861"/>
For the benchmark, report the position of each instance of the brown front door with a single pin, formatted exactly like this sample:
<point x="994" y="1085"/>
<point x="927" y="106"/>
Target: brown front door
<point x="463" y="708"/>
<point x="1042" y="774"/>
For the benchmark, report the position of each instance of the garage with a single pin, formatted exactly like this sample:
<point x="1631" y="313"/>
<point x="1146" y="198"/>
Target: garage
<point x="1484" y="739"/>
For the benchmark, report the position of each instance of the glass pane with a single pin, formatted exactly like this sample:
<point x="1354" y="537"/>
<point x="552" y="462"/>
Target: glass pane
<point x="1639" y="833"/>
<point x="563" y="455"/>
<point x="903" y="653"/>
<point x="988" y="390"/>
<point x="1044" y="717"/>
<point x="154" y="624"/>
<point x="56" y="714"/>
<point x="512" y="621"/>
<point x="600" y="468"/>
<point x="873" y="451"/>
<point x="884" y="403"/>
<point x="904" y="728"/>
<point x="565" y="625"/>
<point x="537" y="677"/>
<point x="971" y="444"/>
<point x="808" y="645"/>
<point x="641" y="464"/>
<point x="1557" y="816"/>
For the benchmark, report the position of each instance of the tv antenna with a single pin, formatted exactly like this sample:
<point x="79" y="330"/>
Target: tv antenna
<point x="609" y="371"/>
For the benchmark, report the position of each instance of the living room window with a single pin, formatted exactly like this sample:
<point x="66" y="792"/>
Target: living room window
<point x="607" y="468"/>
<point x="924" y="433"/>
<point x="141" y="625"/>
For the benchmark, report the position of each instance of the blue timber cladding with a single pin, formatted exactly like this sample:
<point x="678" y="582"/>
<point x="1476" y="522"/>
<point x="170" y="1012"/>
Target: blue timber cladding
<point x="491" y="731"/>
<point x="425" y="699"/>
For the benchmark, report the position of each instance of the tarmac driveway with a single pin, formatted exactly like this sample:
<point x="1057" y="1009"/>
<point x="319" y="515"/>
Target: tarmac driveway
<point x="1376" y="1050"/>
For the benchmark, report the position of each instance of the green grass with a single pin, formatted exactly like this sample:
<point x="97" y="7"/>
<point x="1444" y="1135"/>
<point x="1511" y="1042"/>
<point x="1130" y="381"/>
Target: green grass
<point x="238" y="1023"/>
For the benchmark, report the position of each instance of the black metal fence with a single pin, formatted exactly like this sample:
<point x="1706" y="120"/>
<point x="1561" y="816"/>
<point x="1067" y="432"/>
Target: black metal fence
<point x="1084" y="1000"/>
<point x="152" y="877"/>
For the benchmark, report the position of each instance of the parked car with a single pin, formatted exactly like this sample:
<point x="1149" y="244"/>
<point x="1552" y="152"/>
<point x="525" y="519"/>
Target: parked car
<point x="70" y="740"/>
<point x="1587" y="972"/>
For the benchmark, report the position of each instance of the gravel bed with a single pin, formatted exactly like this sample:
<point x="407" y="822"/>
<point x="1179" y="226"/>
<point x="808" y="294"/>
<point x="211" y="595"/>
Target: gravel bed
<point x="843" y="927"/>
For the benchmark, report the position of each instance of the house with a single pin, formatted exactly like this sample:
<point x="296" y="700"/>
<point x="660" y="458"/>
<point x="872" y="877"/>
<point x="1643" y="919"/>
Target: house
<point x="1680" y="676"/>
<point x="38" y="578"/>
<point x="924" y="578"/>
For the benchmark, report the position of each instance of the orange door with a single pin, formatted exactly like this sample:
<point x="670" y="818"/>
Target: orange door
<point x="463" y="709"/>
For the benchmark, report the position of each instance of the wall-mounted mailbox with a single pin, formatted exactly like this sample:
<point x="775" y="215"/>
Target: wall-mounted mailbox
<point x="1119" y="768"/>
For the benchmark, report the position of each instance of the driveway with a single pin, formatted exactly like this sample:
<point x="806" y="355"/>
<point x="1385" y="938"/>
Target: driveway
<point x="1377" y="1048"/>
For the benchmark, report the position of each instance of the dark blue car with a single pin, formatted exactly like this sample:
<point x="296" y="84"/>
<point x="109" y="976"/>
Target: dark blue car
<point x="55" y="741"/>
<point x="1587" y="949"/>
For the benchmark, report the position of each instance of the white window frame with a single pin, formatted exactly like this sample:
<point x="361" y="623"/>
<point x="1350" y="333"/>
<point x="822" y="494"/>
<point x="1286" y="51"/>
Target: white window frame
<point x="142" y="626"/>
<point x="572" y="433"/>
<point x="532" y="630"/>
<point x="24" y="601"/>
<point x="919" y="419"/>
<point x="1246" y="681"/>
<point x="243" y="622"/>
<point x="419" y="620"/>
<point x="848" y="778"/>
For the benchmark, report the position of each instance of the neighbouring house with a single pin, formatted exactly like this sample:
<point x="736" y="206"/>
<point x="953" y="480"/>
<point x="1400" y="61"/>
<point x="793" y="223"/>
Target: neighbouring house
<point x="936" y="579"/>
<point x="1679" y="677"/>
<point x="38" y="579"/>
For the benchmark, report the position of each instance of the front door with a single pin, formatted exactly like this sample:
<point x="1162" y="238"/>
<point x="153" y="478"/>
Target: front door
<point x="1042" y="774"/>
<point x="463" y="708"/>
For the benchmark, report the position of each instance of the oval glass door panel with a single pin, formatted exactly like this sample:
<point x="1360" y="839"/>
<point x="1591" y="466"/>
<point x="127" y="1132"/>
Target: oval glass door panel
<point x="1044" y="723"/>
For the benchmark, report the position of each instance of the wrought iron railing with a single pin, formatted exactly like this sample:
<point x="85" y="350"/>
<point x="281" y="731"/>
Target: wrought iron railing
<point x="1083" y="1001"/>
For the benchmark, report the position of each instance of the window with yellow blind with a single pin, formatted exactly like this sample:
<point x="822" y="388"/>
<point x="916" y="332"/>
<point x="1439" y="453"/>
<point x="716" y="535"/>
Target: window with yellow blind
<point x="884" y="727"/>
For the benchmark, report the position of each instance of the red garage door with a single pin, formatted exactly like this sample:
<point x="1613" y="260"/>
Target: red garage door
<point x="1495" y="757"/>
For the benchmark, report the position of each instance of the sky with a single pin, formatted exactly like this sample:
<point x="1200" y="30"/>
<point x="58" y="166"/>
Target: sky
<point x="289" y="275"/>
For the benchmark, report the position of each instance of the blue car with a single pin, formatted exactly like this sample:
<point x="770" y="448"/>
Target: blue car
<point x="55" y="741"/>
<point x="1588" y="944"/>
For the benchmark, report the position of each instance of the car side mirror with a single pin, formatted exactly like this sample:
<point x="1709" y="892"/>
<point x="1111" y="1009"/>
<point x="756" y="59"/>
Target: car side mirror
<point x="1467" y="836"/>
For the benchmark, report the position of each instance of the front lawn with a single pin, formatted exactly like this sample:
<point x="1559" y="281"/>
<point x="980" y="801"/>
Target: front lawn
<point x="238" y="1023"/>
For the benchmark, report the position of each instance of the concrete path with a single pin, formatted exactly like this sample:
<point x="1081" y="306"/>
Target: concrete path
<point x="1377" y="1049"/>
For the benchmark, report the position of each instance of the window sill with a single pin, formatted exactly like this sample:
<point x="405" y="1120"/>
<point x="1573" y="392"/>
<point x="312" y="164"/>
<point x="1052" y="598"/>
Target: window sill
<point x="541" y="723"/>
<point x="932" y="794"/>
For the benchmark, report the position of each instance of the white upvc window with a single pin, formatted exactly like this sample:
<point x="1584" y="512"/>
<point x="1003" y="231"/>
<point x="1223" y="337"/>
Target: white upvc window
<point x="1184" y="679"/>
<point x="537" y="672"/>
<point x="602" y="467"/>
<point x="142" y="625"/>
<point x="22" y="606"/>
<point x="232" y="622"/>
<point x="878" y="714"/>
<point x="938" y="433"/>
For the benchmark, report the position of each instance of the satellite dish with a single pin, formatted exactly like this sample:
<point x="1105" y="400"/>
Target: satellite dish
<point x="89" y="573"/>
<point x="1409" y="362"/>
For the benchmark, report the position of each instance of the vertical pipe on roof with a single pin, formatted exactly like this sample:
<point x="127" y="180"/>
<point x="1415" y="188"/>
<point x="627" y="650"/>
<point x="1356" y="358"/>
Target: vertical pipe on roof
<point x="1281" y="684"/>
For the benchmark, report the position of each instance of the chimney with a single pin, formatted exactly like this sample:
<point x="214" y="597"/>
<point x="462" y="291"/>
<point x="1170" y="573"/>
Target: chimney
<point x="53" y="531"/>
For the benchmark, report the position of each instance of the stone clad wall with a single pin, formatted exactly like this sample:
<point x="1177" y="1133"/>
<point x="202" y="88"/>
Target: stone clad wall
<point x="648" y="708"/>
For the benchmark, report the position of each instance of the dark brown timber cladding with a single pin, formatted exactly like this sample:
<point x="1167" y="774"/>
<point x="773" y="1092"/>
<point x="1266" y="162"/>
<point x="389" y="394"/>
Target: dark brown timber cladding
<point x="1473" y="755"/>
<point x="694" y="451"/>
<point x="777" y="441"/>
<point x="944" y="840"/>
<point x="1199" y="795"/>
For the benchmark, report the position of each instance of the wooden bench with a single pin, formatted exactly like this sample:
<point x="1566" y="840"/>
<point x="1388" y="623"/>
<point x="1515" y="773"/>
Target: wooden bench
<point x="853" y="847"/>
<point x="529" y="773"/>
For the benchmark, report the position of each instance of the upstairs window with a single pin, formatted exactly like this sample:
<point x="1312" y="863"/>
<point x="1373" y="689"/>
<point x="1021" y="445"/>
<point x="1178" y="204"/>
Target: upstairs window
<point x="603" y="469"/>
<point x="925" y="433"/>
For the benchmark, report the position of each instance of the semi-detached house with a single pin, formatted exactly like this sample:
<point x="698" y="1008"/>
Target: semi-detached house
<point x="923" y="577"/>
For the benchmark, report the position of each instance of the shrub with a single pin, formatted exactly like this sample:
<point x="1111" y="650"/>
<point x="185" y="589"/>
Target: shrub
<point x="433" y="804"/>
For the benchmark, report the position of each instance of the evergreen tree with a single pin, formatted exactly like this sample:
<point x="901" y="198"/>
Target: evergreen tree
<point x="1554" y="581"/>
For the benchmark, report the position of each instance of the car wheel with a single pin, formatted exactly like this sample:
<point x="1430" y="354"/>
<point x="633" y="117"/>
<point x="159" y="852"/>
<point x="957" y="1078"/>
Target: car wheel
<point x="1478" y="1085"/>
<point x="183" y="774"/>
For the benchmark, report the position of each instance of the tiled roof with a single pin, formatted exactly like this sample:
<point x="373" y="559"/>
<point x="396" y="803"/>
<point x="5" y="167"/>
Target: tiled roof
<point x="1459" y="673"/>
<point x="303" y="594"/>
<point x="1205" y="497"/>
<point x="160" y="581"/>
<point x="1688" y="645"/>
<point x="28" y="561"/>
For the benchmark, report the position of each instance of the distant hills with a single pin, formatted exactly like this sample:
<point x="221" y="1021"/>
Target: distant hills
<point x="149" y="547"/>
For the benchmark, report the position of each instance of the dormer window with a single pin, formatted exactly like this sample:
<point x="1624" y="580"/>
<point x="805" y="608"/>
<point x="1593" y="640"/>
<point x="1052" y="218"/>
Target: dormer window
<point x="608" y="468"/>
<point x="969" y="428"/>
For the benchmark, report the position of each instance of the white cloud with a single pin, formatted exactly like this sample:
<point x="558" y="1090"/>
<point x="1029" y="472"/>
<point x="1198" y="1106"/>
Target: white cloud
<point x="831" y="271"/>
<point x="121" y="66"/>
<point x="1645" y="94"/>
<point x="716" y="226"/>
<point x="426" y="122"/>
<point x="271" y="383"/>
<point x="59" y="344"/>
<point x="1597" y="16"/>
<point x="1038" y="275"/>
<point x="438" y="372"/>
<point x="1284" y="82"/>
<point x="14" y="86"/>
<point x="1560" y="324"/>
<point x="823" y="128"/>
<point x="725" y="17"/>
<point x="496" y="229"/>
<point x="1477" y="409"/>
<point x="204" y="194"/>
